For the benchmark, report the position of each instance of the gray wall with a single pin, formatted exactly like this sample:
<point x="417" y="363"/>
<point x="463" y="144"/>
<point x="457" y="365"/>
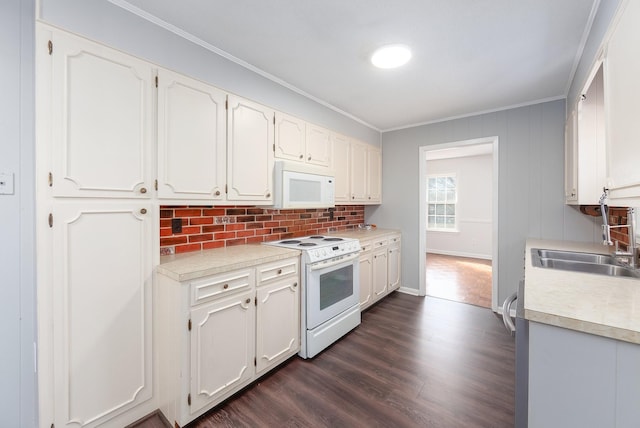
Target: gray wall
<point x="17" y="257"/>
<point x="531" y="184"/>
<point x="104" y="22"/>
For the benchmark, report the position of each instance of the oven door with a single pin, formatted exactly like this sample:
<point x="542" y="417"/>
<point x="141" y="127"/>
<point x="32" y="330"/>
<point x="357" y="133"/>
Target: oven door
<point x="331" y="288"/>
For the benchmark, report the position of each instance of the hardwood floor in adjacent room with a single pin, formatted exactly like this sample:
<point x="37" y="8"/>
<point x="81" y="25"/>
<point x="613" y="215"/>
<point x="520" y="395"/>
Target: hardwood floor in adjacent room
<point x="412" y="362"/>
<point x="461" y="279"/>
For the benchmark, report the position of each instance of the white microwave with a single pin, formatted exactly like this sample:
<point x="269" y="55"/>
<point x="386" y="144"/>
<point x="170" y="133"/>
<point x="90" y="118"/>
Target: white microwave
<point x="302" y="186"/>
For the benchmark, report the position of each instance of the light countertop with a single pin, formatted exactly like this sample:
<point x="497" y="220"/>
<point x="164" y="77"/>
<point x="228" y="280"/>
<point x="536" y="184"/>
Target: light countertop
<point x="188" y="266"/>
<point x="365" y="235"/>
<point x="597" y="304"/>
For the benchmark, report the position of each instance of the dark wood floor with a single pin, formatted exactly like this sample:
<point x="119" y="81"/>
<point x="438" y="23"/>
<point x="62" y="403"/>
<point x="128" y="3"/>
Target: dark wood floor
<point x="412" y="362"/>
<point x="461" y="279"/>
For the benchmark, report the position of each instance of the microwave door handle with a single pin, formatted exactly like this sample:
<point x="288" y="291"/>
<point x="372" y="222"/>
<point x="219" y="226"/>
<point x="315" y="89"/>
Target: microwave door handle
<point x="337" y="262"/>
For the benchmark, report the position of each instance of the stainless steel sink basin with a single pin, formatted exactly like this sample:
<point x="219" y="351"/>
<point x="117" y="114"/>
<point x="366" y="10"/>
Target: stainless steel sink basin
<point x="576" y="257"/>
<point x="600" y="264"/>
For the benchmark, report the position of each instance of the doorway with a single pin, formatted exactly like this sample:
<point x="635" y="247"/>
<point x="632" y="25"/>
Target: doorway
<point x="459" y="221"/>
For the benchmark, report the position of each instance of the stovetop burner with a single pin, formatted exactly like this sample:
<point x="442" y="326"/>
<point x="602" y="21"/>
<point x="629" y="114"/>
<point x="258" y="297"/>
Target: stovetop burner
<point x="316" y="237"/>
<point x="308" y="244"/>
<point x="332" y="239"/>
<point x="290" y="242"/>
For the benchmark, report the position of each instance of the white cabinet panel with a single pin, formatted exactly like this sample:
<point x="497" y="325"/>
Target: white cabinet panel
<point x="250" y="134"/>
<point x="101" y="118"/>
<point x="341" y="167"/>
<point x="102" y="272"/>
<point x="394" y="269"/>
<point x="278" y="323"/>
<point x="191" y="138"/>
<point x="290" y="137"/>
<point x="359" y="177"/>
<point x="318" y="146"/>
<point x="379" y="272"/>
<point x="374" y="176"/>
<point x="366" y="276"/>
<point x="622" y="91"/>
<point x="222" y="348"/>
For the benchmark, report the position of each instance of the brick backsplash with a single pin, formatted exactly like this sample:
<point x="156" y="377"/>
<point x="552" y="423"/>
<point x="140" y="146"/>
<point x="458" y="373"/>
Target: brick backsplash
<point x="220" y="226"/>
<point x="617" y="216"/>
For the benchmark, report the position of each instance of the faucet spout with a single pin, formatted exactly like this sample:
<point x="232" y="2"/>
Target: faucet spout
<point x="606" y="229"/>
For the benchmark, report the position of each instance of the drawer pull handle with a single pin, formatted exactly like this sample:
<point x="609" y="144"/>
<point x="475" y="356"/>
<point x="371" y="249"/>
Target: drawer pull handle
<point x="295" y="284"/>
<point x="279" y="271"/>
<point x="217" y="193"/>
<point x="143" y="190"/>
<point x="247" y="301"/>
<point x="143" y="211"/>
<point x="225" y="286"/>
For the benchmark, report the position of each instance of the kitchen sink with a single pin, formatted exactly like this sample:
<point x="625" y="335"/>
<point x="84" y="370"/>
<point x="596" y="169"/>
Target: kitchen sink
<point x="574" y="256"/>
<point x="600" y="264"/>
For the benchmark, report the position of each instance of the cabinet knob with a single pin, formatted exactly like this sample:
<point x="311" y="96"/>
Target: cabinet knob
<point x="143" y="211"/>
<point x="301" y="156"/>
<point x="268" y="195"/>
<point x="369" y="197"/>
<point x="217" y="193"/>
<point x="295" y="284"/>
<point x="279" y="271"/>
<point x="353" y="197"/>
<point x="247" y="301"/>
<point x="143" y="190"/>
<point x="309" y="158"/>
<point x="225" y="286"/>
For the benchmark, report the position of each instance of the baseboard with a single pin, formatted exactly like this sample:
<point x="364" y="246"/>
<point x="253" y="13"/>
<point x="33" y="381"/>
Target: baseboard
<point x="459" y="254"/>
<point x="411" y="291"/>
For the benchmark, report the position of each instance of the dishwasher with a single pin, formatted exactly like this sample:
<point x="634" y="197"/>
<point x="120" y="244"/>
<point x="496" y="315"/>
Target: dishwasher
<point x="520" y="329"/>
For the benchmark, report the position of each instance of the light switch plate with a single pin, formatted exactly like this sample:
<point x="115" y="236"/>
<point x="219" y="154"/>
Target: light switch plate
<point x="6" y="183"/>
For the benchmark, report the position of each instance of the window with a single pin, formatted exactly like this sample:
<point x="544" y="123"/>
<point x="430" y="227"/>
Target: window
<point x="441" y="202"/>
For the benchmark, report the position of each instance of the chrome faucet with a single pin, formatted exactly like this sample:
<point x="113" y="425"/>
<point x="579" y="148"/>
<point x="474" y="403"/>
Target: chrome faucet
<point x="630" y="256"/>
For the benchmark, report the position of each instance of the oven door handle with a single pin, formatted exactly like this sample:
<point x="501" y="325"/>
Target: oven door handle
<point x="318" y="266"/>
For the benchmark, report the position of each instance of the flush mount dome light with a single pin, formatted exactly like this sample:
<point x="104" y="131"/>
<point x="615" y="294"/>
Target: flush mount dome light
<point x="391" y="56"/>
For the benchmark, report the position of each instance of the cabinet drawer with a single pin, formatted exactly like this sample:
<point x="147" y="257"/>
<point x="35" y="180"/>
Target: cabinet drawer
<point x="366" y="246"/>
<point x="276" y="270"/>
<point x="395" y="239"/>
<point x="380" y="243"/>
<point x="213" y="287"/>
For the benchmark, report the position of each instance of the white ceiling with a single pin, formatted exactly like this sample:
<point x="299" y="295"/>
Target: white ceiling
<point x="469" y="56"/>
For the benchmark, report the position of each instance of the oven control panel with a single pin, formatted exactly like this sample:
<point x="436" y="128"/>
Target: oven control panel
<point x="330" y="251"/>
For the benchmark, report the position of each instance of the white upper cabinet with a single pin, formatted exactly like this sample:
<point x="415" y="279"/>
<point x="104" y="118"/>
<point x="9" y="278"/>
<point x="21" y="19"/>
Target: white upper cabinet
<point x="318" y="146"/>
<point x="366" y="173"/>
<point x="341" y="167"/>
<point x="191" y="138"/>
<point x="291" y="134"/>
<point x="585" y="145"/>
<point x="102" y="105"/>
<point x="622" y="92"/>
<point x="301" y="141"/>
<point x="250" y="136"/>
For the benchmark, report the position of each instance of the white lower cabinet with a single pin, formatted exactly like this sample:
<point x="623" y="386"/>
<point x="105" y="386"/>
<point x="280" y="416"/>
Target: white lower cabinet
<point x="217" y="334"/>
<point x="366" y="274"/>
<point x="394" y="271"/>
<point x="379" y="254"/>
<point x="96" y="350"/>
<point x="380" y="268"/>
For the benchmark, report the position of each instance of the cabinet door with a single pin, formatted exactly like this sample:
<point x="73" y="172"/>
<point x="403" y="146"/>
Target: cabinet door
<point x="250" y="134"/>
<point x="101" y="121"/>
<point x="102" y="325"/>
<point x="191" y="138"/>
<point x="222" y="348"/>
<point x="359" y="173"/>
<point x="318" y="146"/>
<point x="341" y="168"/>
<point x="374" y="175"/>
<point x="379" y="273"/>
<point x="571" y="159"/>
<point x="622" y="91"/>
<point x="290" y="137"/>
<point x="278" y="323"/>
<point x="366" y="279"/>
<point x="394" y="266"/>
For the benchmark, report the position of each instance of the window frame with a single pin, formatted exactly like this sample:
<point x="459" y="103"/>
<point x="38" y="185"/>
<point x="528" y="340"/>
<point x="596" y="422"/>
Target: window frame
<point x="444" y="203"/>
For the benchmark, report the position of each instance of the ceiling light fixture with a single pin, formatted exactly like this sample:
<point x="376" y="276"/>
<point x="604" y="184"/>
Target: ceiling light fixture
<point x="391" y="56"/>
